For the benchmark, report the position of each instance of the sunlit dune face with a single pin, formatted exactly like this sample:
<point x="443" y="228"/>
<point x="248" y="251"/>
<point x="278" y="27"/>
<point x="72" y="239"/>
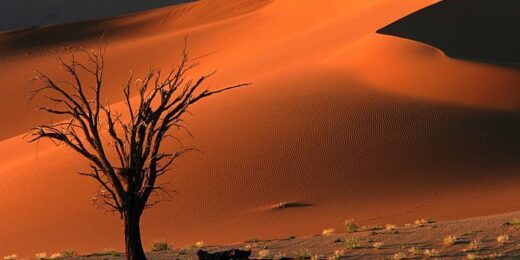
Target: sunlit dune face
<point x="404" y="67"/>
<point x="340" y="121"/>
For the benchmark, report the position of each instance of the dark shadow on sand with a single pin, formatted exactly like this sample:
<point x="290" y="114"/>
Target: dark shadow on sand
<point x="480" y="30"/>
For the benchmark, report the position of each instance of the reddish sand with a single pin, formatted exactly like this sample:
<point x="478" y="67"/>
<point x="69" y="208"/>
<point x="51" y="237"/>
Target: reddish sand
<point x="358" y="125"/>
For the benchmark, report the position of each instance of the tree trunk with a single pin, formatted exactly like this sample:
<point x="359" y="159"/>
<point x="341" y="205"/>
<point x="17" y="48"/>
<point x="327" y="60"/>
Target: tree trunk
<point x="134" y="247"/>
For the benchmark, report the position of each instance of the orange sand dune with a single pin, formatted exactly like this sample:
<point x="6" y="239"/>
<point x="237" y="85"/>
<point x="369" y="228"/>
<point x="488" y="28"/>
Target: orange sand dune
<point x="354" y="124"/>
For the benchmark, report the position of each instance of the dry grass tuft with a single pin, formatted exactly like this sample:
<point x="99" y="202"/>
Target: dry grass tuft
<point x="431" y="252"/>
<point x="471" y="256"/>
<point x="424" y="221"/>
<point x="502" y="239"/>
<point x="377" y="245"/>
<point x="450" y="240"/>
<point x="351" y="226"/>
<point x="253" y="240"/>
<point x="161" y="246"/>
<point x="474" y="245"/>
<point x="351" y="243"/>
<point x="69" y="253"/>
<point x="399" y="256"/>
<point x="515" y="223"/>
<point x="198" y="244"/>
<point x="371" y="228"/>
<point x="390" y="227"/>
<point x="111" y="252"/>
<point x="264" y="253"/>
<point x="328" y="232"/>
<point x="414" y="250"/>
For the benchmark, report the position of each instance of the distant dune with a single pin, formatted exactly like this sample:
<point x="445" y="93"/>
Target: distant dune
<point x="341" y="120"/>
<point x="478" y="30"/>
<point x="21" y="14"/>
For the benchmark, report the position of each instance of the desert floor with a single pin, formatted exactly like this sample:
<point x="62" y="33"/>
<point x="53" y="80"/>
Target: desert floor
<point x="489" y="237"/>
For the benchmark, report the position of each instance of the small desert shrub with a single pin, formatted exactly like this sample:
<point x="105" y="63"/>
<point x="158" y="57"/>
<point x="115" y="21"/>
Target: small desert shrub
<point x="431" y="252"/>
<point x="160" y="246"/>
<point x="474" y="245"/>
<point x="424" y="221"/>
<point x="41" y="256"/>
<point x="371" y="228"/>
<point x="328" y="232"/>
<point x="377" y="245"/>
<point x="450" y="240"/>
<point x="515" y="223"/>
<point x="197" y="244"/>
<point x="11" y="257"/>
<point x="338" y="254"/>
<point x="253" y="240"/>
<point x="351" y="226"/>
<point x="111" y="252"/>
<point x="69" y="253"/>
<point x="390" y="226"/>
<point x="305" y="255"/>
<point x="399" y="256"/>
<point x="414" y="250"/>
<point x="502" y="239"/>
<point x="471" y="256"/>
<point x="351" y="243"/>
<point x="264" y="253"/>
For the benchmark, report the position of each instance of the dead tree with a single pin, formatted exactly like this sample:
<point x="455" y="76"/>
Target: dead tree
<point x="123" y="149"/>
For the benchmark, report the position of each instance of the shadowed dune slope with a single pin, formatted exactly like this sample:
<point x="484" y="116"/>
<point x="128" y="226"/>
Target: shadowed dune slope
<point x="477" y="30"/>
<point x="340" y="123"/>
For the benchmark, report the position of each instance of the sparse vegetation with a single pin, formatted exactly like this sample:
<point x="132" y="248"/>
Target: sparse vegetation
<point x="424" y="221"/>
<point x="11" y="257"/>
<point x="390" y="226"/>
<point x="377" y="245"/>
<point x="69" y="253"/>
<point x="197" y="244"/>
<point x="414" y="250"/>
<point x="351" y="243"/>
<point x="338" y="254"/>
<point x="253" y="240"/>
<point x="514" y="222"/>
<point x="111" y="252"/>
<point x="474" y="245"/>
<point x="161" y="246"/>
<point x="264" y="253"/>
<point x="502" y="239"/>
<point x="305" y="255"/>
<point x="56" y="256"/>
<point x="399" y="256"/>
<point x="41" y="256"/>
<point x="431" y="252"/>
<point x="328" y="232"/>
<point x="450" y="240"/>
<point x="371" y="228"/>
<point x="351" y="226"/>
